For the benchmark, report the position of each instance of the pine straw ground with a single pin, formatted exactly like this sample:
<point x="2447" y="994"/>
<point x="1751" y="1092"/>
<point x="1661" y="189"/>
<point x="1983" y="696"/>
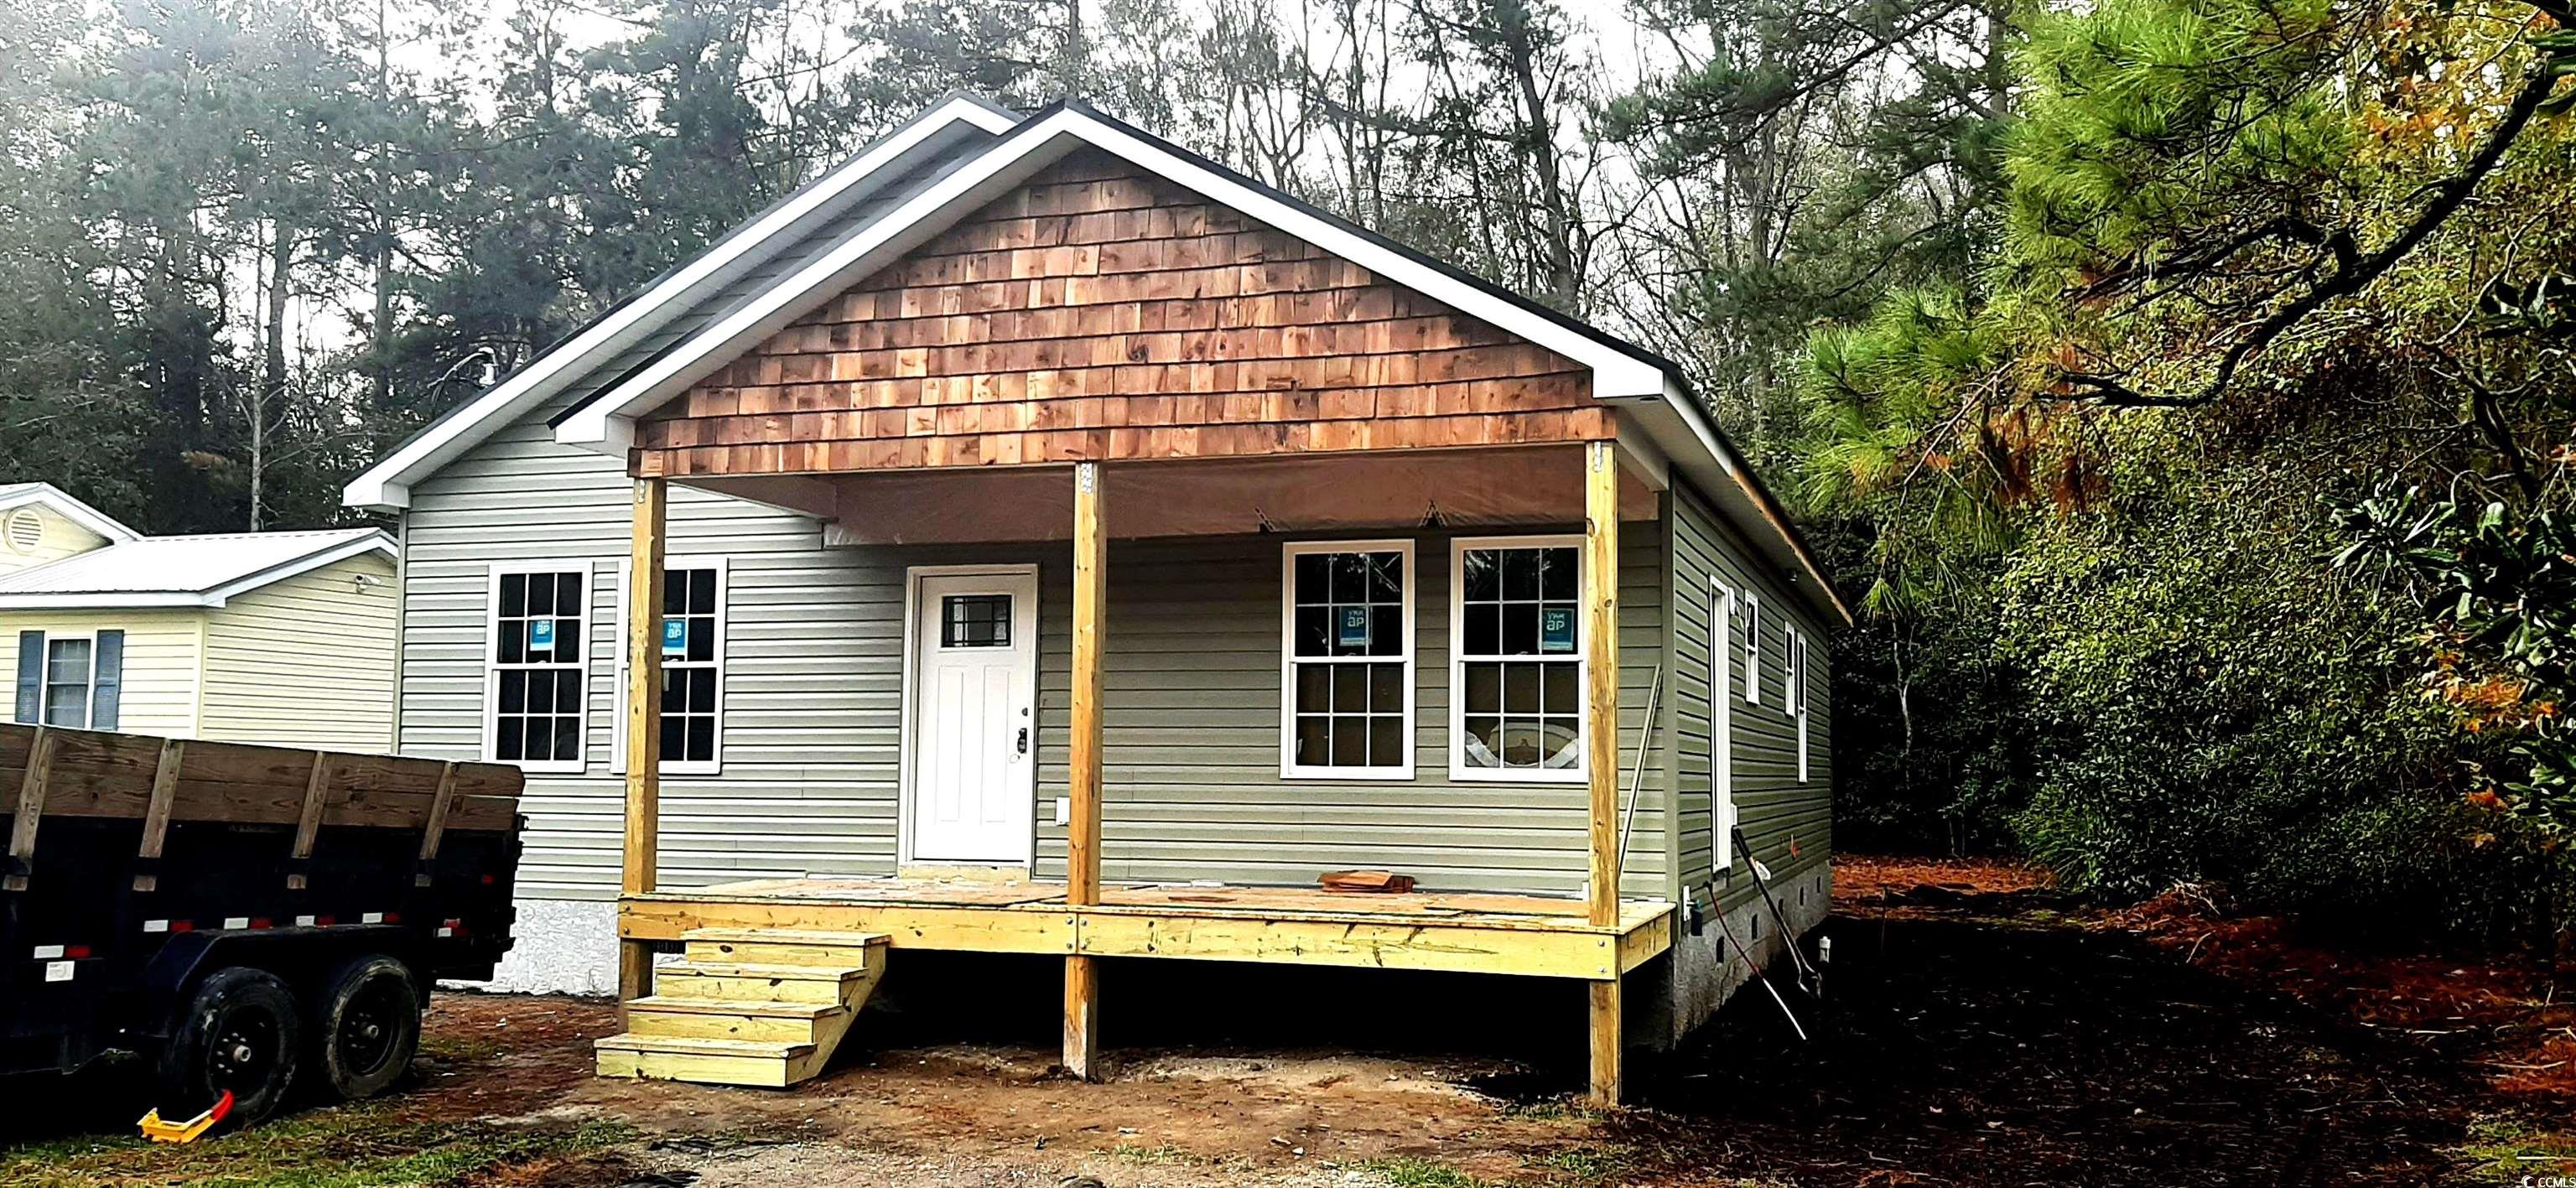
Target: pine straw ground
<point x="1979" y="1028"/>
<point x="1976" y="1028"/>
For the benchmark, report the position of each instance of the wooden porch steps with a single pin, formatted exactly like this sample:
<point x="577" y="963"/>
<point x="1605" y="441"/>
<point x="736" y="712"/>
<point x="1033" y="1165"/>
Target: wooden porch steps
<point x="747" y="1007"/>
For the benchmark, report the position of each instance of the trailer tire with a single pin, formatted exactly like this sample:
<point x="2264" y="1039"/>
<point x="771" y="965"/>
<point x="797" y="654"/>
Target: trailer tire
<point x="240" y="1032"/>
<point x="366" y="1026"/>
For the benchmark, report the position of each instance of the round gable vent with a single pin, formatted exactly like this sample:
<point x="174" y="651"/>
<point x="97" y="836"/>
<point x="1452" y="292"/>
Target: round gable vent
<point x="24" y="530"/>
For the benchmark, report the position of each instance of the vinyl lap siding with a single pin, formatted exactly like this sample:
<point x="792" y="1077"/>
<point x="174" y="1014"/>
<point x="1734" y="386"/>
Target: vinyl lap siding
<point x="813" y="701"/>
<point x="1771" y="805"/>
<point x="162" y="650"/>
<point x="306" y="662"/>
<point x="1191" y="737"/>
<point x="811" y="690"/>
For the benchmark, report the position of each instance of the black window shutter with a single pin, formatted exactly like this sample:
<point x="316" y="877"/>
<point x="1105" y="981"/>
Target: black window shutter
<point x="31" y="675"/>
<point x="109" y="691"/>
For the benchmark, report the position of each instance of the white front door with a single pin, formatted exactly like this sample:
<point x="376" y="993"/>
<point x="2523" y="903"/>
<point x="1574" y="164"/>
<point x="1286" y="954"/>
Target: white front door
<point x="971" y="728"/>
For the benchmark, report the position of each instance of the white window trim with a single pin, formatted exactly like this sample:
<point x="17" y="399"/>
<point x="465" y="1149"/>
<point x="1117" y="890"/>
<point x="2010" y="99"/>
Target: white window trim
<point x="1721" y="735"/>
<point x="1289" y="768"/>
<point x="1458" y="768"/>
<point x="491" y="709"/>
<point x="45" y="675"/>
<point x="724" y="646"/>
<point x="1752" y="648"/>
<point x="1796" y="694"/>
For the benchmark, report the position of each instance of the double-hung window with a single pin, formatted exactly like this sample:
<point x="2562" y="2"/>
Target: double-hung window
<point x="1347" y="664"/>
<point x="692" y="639"/>
<point x="74" y="680"/>
<point x="1516" y="657"/>
<point x="537" y="688"/>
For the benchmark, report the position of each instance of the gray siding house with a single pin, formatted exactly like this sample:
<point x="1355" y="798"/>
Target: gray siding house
<point x="1041" y="505"/>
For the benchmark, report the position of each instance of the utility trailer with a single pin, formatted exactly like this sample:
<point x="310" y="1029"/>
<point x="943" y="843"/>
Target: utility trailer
<point x="242" y="917"/>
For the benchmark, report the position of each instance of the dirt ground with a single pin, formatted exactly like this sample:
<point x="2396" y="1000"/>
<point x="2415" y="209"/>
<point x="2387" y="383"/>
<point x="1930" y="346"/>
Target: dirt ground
<point x="1975" y="1028"/>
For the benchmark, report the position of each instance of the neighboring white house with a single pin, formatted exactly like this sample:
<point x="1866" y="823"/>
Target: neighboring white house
<point x="270" y="637"/>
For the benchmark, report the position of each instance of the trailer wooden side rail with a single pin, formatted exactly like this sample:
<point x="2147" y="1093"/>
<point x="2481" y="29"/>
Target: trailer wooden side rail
<point x="156" y="891"/>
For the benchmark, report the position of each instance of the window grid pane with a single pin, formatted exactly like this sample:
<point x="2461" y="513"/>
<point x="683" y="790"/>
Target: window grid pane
<point x="689" y="676"/>
<point x="975" y="621"/>
<point x="1348" y="655"/>
<point x="540" y="686"/>
<point x="1520" y="653"/>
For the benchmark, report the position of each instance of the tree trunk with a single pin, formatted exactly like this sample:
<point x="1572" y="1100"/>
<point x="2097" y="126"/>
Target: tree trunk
<point x="271" y="393"/>
<point x="1559" y="278"/>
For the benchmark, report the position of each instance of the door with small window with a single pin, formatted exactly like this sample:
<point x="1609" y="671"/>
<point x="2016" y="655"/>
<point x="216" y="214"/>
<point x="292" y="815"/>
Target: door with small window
<point x="972" y="729"/>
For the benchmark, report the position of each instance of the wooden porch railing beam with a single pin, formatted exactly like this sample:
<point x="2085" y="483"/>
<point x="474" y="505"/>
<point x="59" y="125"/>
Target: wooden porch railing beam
<point x="643" y="644"/>
<point x="1601" y="741"/>
<point x="1082" y="832"/>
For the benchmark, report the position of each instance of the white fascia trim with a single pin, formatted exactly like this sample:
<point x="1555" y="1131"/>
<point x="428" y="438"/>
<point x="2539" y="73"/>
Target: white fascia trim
<point x="603" y="424"/>
<point x="387" y="484"/>
<point x="73" y="510"/>
<point x="120" y="600"/>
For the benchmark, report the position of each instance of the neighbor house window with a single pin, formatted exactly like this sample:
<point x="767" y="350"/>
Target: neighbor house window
<point x="1347" y="644"/>
<point x="692" y="639"/>
<point x="537" y="693"/>
<point x="71" y="680"/>
<point x="1516" y="639"/>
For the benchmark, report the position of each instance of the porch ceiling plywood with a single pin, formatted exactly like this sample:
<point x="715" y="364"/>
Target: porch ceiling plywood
<point x="1099" y="314"/>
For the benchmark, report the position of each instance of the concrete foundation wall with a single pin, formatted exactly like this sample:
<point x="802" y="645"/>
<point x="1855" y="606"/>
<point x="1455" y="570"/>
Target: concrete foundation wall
<point x="1678" y="992"/>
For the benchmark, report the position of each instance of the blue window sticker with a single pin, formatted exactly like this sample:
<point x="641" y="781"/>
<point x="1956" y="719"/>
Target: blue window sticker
<point x="1556" y="629"/>
<point x="675" y="635"/>
<point x="541" y="635"/>
<point x="1353" y="629"/>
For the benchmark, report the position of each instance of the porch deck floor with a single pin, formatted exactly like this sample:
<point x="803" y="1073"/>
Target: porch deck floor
<point x="1463" y="932"/>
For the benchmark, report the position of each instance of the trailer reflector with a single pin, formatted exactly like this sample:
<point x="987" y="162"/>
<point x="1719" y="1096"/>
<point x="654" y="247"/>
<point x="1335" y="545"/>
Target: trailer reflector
<point x="372" y="918"/>
<point x="76" y="952"/>
<point x="305" y="921"/>
<point x="183" y="926"/>
<point x="48" y="952"/>
<point x="326" y="921"/>
<point x="156" y="926"/>
<point x="236" y="921"/>
<point x="262" y="922"/>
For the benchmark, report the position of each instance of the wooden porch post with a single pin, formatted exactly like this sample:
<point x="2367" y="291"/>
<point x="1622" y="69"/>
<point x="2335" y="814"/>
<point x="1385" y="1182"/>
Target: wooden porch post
<point x="1601" y="739"/>
<point x="643" y="644"/>
<point x="1082" y="834"/>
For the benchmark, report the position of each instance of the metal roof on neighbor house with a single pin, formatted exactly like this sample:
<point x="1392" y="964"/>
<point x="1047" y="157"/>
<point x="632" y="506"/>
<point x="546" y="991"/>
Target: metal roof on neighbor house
<point x="182" y="570"/>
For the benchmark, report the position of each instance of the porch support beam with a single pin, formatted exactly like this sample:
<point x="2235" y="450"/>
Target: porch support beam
<point x="1601" y="674"/>
<point x="1082" y="832"/>
<point x="643" y="645"/>
<point x="1601" y="742"/>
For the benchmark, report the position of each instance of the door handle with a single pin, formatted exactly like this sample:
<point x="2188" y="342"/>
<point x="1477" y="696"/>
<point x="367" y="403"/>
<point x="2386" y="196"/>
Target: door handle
<point x="1024" y="740"/>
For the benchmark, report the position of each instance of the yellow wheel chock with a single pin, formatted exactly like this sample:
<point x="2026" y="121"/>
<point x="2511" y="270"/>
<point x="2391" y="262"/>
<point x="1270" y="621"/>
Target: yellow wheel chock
<point x="189" y="1131"/>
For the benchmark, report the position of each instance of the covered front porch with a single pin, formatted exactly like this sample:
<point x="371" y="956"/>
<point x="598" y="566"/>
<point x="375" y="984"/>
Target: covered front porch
<point x="1594" y="936"/>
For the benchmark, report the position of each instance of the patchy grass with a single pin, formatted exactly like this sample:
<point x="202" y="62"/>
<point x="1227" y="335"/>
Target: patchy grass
<point x="357" y="1146"/>
<point x="1163" y="1155"/>
<point x="1408" y="1171"/>
<point x="1581" y="1166"/>
<point x="2506" y="1150"/>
